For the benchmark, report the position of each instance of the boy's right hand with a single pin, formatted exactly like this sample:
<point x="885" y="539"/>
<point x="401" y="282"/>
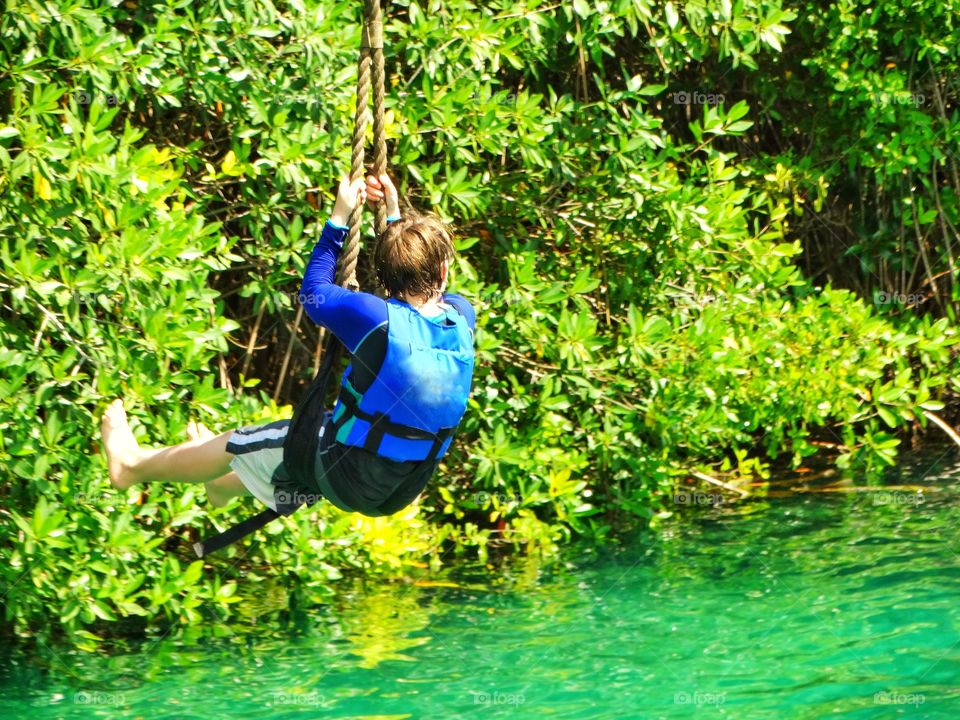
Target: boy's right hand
<point x="349" y="195"/>
<point x="382" y="188"/>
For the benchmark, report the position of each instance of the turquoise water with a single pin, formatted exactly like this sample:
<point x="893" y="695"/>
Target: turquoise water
<point x="803" y="605"/>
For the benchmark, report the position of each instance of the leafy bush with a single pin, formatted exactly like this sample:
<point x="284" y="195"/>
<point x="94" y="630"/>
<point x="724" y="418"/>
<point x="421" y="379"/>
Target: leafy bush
<point x="631" y="237"/>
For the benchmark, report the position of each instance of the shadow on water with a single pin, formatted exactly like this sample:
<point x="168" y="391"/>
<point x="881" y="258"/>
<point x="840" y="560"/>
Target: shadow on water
<point x="822" y="599"/>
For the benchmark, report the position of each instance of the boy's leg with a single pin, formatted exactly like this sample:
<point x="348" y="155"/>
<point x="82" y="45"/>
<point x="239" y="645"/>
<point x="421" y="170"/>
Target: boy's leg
<point x="224" y="489"/>
<point x="200" y="460"/>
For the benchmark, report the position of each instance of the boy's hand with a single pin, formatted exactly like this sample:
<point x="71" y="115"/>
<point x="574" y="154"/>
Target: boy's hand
<point x="382" y="189"/>
<point x="349" y="196"/>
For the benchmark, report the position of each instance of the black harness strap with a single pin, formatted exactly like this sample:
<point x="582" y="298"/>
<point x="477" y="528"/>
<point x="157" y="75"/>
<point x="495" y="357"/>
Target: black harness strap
<point x="234" y="533"/>
<point x="299" y="451"/>
<point x="303" y="436"/>
<point x="378" y="429"/>
<point x="381" y="425"/>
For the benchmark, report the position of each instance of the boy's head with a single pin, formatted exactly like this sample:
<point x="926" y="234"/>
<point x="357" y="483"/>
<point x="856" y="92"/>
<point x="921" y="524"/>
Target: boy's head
<point x="412" y="255"/>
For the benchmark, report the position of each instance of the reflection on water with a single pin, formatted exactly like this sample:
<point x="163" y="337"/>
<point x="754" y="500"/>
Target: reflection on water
<point x="383" y="623"/>
<point x="839" y="603"/>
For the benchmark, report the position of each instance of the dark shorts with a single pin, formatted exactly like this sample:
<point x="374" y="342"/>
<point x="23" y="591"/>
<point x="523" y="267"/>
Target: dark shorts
<point x="349" y="478"/>
<point x="258" y="452"/>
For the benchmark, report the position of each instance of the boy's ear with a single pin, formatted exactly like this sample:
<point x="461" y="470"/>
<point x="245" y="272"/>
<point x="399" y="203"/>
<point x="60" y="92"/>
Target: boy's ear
<point x="444" y="271"/>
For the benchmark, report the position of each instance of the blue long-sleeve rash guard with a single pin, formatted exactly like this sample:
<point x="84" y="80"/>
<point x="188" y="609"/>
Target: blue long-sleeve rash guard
<point x="358" y="319"/>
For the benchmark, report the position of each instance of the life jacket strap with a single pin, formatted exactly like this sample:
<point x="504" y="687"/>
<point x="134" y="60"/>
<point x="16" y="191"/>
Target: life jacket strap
<point x="381" y="425"/>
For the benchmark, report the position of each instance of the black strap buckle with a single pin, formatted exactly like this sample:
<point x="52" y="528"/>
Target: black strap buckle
<point x="379" y="425"/>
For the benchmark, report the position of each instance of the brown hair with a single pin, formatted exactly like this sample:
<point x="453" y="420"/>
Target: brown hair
<point x="409" y="254"/>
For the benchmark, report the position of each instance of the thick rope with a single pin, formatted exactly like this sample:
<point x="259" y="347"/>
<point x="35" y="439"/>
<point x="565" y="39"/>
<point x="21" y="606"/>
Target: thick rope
<point x="379" y="132"/>
<point x="371" y="54"/>
<point x="347" y="271"/>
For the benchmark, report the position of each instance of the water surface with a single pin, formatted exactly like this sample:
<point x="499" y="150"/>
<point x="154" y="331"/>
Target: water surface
<point x="801" y="605"/>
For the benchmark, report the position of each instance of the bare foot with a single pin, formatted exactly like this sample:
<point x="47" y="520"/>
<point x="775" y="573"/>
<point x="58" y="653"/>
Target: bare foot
<point x="122" y="448"/>
<point x="199" y="431"/>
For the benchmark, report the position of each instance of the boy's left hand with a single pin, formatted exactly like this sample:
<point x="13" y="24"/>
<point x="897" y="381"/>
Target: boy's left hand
<point x="382" y="189"/>
<point x="349" y="195"/>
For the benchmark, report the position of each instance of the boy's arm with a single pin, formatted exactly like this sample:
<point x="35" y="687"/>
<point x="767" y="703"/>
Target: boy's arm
<point x="349" y="315"/>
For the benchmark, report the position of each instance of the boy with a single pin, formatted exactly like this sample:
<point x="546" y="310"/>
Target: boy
<point x="401" y="398"/>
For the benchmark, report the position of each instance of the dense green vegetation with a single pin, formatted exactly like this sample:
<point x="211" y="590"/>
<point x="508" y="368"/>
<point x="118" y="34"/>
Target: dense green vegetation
<point x="702" y="237"/>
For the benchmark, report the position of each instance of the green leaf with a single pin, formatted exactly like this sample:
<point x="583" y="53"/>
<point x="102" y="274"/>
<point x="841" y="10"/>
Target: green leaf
<point x="672" y="18"/>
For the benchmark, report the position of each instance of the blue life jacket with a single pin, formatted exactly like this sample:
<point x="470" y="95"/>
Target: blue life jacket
<point x="416" y="401"/>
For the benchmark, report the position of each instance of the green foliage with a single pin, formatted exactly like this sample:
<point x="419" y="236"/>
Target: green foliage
<point x="871" y="159"/>
<point x="646" y="309"/>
